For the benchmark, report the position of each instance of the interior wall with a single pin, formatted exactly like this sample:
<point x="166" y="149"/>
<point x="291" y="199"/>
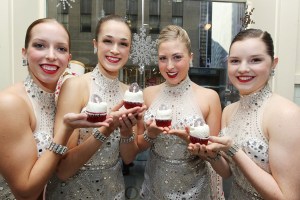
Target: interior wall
<point x="15" y="17"/>
<point x="281" y="19"/>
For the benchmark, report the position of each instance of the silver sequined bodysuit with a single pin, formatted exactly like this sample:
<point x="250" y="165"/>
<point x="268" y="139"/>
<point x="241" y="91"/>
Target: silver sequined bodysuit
<point x="101" y="177"/>
<point x="171" y="171"/>
<point x="43" y="104"/>
<point x="246" y="130"/>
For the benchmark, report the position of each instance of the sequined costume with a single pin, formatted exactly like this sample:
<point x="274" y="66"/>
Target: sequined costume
<point x="43" y="104"/>
<point x="246" y="130"/>
<point x="171" y="171"/>
<point x="101" y="177"/>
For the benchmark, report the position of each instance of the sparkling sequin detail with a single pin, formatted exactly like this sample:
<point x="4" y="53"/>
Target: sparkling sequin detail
<point x="171" y="171"/>
<point x="246" y="129"/>
<point x="101" y="177"/>
<point x="44" y="109"/>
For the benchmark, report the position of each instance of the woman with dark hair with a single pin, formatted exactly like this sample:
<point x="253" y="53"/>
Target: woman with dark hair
<point x="92" y="168"/>
<point x="260" y="132"/>
<point x="29" y="153"/>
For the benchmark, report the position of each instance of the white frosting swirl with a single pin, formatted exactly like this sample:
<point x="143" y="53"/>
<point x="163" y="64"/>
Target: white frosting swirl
<point x="96" y="107"/>
<point x="200" y="131"/>
<point x="134" y="96"/>
<point x="164" y="114"/>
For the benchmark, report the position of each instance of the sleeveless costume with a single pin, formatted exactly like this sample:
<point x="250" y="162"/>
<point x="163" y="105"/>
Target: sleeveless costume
<point x="101" y="177"/>
<point x="171" y="171"/>
<point x="43" y="104"/>
<point x="246" y="130"/>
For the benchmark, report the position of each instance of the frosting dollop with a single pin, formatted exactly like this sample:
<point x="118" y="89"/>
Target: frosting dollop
<point x="96" y="107"/>
<point x="200" y="131"/>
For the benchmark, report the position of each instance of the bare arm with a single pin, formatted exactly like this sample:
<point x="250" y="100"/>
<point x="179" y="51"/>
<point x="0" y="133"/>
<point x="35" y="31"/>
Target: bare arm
<point x="70" y="102"/>
<point x="25" y="173"/>
<point x="282" y="127"/>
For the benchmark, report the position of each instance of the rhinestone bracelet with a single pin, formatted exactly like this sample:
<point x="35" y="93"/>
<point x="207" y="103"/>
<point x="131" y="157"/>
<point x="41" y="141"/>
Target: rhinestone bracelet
<point x="232" y="150"/>
<point x="127" y="139"/>
<point x="147" y="138"/>
<point x="99" y="136"/>
<point x="57" y="148"/>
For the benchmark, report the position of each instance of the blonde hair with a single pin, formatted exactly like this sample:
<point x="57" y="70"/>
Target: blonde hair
<point x="173" y="32"/>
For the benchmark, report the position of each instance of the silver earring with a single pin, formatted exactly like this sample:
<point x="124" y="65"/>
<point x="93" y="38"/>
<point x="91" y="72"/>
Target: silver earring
<point x="95" y="50"/>
<point x="69" y="66"/>
<point x="24" y="62"/>
<point x="272" y="72"/>
<point x="191" y="63"/>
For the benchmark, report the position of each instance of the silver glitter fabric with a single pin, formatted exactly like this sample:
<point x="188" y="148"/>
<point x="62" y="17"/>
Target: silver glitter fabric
<point x="43" y="104"/>
<point x="246" y="130"/>
<point x="171" y="171"/>
<point x="101" y="177"/>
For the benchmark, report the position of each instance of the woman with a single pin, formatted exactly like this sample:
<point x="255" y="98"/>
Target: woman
<point x="92" y="168"/>
<point x="171" y="171"/>
<point x="28" y="158"/>
<point x="260" y="132"/>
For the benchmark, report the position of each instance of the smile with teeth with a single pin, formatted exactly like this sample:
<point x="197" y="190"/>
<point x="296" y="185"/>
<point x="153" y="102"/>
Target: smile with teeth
<point x="112" y="59"/>
<point x="49" y="67"/>
<point x="245" y="78"/>
<point x="172" y="73"/>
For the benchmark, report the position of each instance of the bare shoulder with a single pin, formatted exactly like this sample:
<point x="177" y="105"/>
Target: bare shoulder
<point x="15" y="106"/>
<point x="204" y="92"/>
<point x="77" y="87"/>
<point x="150" y="93"/>
<point x="206" y="95"/>
<point x="283" y="107"/>
<point x="13" y="98"/>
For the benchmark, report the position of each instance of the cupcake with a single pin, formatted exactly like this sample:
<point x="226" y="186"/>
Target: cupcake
<point x="163" y="116"/>
<point x="133" y="96"/>
<point x="199" y="133"/>
<point x="96" y="110"/>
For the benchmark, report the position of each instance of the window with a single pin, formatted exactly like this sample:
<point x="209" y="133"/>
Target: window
<point x="85" y="16"/>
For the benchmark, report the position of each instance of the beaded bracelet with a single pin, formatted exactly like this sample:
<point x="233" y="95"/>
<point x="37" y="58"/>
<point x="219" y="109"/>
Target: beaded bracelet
<point x="57" y="148"/>
<point x="99" y="136"/>
<point x="232" y="150"/>
<point x="147" y="138"/>
<point x="127" y="139"/>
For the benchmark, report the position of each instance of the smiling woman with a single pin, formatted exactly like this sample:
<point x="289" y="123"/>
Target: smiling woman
<point x="29" y="151"/>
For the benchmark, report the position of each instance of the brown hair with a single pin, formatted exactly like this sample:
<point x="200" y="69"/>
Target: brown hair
<point x="39" y="21"/>
<point x="256" y="33"/>
<point x="173" y="32"/>
<point x="108" y="18"/>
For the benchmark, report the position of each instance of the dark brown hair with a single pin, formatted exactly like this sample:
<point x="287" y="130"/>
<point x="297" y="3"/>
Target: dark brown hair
<point x="108" y="18"/>
<point x="39" y="21"/>
<point x="256" y="33"/>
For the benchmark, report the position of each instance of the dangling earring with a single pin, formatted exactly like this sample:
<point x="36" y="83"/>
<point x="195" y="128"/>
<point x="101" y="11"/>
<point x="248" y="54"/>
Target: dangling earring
<point x="69" y="66"/>
<point x="272" y="72"/>
<point x="95" y="50"/>
<point x="24" y="62"/>
<point x="191" y="63"/>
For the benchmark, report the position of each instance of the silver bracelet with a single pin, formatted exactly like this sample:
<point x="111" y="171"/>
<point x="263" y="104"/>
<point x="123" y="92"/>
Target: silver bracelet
<point x="147" y="138"/>
<point x="57" y="148"/>
<point x="232" y="150"/>
<point x="127" y="139"/>
<point x="99" y="136"/>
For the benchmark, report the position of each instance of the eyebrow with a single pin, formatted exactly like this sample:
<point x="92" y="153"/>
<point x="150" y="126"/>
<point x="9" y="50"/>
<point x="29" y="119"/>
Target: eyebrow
<point x="109" y="36"/>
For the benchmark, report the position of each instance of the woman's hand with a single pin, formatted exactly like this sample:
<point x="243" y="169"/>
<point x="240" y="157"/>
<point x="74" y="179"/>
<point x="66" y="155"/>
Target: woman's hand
<point x="217" y="144"/>
<point x="73" y="121"/>
<point x="183" y="134"/>
<point x="152" y="130"/>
